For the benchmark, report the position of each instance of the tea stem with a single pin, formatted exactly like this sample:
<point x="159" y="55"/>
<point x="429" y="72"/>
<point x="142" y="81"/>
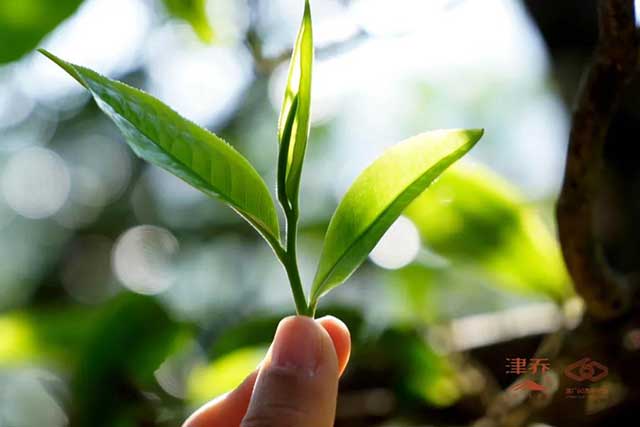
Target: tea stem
<point x="294" y="274"/>
<point x="289" y="260"/>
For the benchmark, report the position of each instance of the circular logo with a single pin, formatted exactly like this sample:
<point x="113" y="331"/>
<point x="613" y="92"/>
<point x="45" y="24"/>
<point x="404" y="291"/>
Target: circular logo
<point x="586" y="370"/>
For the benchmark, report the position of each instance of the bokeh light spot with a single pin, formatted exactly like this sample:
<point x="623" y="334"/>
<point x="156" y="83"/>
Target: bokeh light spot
<point x="200" y="82"/>
<point x="35" y="183"/>
<point x="142" y="259"/>
<point x="398" y="247"/>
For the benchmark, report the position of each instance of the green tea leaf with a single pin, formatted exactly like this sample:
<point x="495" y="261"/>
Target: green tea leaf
<point x="161" y="136"/>
<point x="23" y="23"/>
<point x="195" y="13"/>
<point x="474" y="217"/>
<point x="293" y="124"/>
<point x="378" y="197"/>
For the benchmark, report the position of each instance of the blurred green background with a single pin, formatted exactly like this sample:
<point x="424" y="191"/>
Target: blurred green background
<point x="128" y="298"/>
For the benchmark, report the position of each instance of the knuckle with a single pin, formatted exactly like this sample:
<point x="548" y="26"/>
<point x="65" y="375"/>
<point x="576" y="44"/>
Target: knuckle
<point x="291" y="376"/>
<point x="285" y="405"/>
<point x="275" y="415"/>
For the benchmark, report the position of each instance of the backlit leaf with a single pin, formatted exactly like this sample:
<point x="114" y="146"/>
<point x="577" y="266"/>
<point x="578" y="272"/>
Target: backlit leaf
<point x="195" y="13"/>
<point x="378" y="197"/>
<point x="474" y="217"/>
<point x="159" y="135"/>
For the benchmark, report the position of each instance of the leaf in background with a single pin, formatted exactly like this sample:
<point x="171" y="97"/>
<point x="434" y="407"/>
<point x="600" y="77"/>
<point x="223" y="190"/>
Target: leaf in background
<point x="399" y="358"/>
<point x="18" y="342"/>
<point x="223" y="374"/>
<point x="472" y="216"/>
<point x="49" y="337"/>
<point x="23" y="23"/>
<point x="258" y="331"/>
<point x="413" y="293"/>
<point x="378" y="197"/>
<point x="161" y="136"/>
<point x="132" y="336"/>
<point x="255" y="331"/>
<point x="293" y="124"/>
<point x="434" y="294"/>
<point x="195" y="13"/>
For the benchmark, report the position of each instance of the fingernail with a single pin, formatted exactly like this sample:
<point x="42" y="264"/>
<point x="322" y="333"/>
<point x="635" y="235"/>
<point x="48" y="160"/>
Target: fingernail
<point x="297" y="344"/>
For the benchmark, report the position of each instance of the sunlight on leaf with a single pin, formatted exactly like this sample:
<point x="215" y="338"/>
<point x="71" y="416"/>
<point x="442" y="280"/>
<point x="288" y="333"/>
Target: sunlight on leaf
<point x="51" y="337"/>
<point x="441" y="392"/>
<point x="431" y="376"/>
<point x="414" y="366"/>
<point x="472" y="216"/>
<point x="18" y="340"/>
<point x="293" y="124"/>
<point x="159" y="135"/>
<point x="223" y="374"/>
<point x="378" y="197"/>
<point x="195" y="13"/>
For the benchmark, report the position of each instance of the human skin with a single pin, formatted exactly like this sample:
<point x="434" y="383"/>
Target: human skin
<point x="296" y="384"/>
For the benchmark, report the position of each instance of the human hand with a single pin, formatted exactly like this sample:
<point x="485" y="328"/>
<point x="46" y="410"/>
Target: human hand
<point x="296" y="385"/>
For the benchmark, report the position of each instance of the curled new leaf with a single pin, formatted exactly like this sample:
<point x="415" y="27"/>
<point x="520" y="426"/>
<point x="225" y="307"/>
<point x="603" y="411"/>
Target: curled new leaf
<point x="293" y="124"/>
<point x="378" y="197"/>
<point x="161" y="136"/>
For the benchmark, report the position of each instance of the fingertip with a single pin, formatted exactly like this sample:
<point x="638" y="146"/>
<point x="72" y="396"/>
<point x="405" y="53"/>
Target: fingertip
<point x="341" y="337"/>
<point x="301" y="341"/>
<point x="298" y="381"/>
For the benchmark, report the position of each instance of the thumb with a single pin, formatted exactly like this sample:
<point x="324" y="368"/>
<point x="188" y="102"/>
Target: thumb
<point x="298" y="382"/>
